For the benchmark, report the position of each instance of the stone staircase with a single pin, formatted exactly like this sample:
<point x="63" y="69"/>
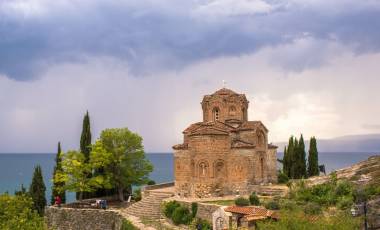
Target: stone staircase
<point x="149" y="206"/>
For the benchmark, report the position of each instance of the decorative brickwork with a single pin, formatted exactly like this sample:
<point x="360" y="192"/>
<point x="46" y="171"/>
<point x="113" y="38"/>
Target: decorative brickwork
<point x="226" y="153"/>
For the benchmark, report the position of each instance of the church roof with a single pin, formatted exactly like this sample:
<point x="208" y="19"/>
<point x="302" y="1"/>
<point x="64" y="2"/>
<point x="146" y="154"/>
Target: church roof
<point x="241" y="144"/>
<point x="210" y="128"/>
<point x="252" y="125"/>
<point x="224" y="93"/>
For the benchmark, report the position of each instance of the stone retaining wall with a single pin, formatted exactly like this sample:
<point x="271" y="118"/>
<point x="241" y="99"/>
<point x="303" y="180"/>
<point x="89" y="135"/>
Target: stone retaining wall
<point x="82" y="219"/>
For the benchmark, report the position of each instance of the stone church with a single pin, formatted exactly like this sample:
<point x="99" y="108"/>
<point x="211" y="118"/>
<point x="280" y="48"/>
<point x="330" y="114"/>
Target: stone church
<point x="225" y="153"/>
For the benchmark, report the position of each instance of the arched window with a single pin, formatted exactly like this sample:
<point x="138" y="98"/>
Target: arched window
<point x="216" y="114"/>
<point x="219" y="168"/>
<point x="203" y="169"/>
<point x="261" y="139"/>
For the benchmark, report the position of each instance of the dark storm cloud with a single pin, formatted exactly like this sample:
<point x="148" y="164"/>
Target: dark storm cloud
<point x="160" y="35"/>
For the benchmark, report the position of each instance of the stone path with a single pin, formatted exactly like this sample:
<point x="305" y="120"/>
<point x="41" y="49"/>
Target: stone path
<point x="149" y="206"/>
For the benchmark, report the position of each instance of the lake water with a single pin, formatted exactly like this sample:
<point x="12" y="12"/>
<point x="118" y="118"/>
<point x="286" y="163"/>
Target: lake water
<point x="17" y="169"/>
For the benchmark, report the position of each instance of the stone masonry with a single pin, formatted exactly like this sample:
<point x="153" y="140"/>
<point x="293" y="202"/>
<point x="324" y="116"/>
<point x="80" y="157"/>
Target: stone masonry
<point x="225" y="153"/>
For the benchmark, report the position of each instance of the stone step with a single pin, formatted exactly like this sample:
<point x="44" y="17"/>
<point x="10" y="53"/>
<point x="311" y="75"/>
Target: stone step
<point x="149" y="206"/>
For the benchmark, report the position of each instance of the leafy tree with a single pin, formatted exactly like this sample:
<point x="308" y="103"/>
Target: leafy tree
<point x="75" y="174"/>
<point x="123" y="159"/>
<point x="37" y="191"/>
<point x="313" y="169"/>
<point x="16" y="213"/>
<point x="57" y="189"/>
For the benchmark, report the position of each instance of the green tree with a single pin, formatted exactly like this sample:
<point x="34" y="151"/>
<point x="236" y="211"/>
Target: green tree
<point x="85" y="148"/>
<point x="302" y="158"/>
<point x="57" y="188"/>
<point x="85" y="138"/>
<point x="37" y="191"/>
<point x="16" y="213"/>
<point x="123" y="159"/>
<point x="285" y="162"/>
<point x="75" y="171"/>
<point x="313" y="169"/>
<point x="290" y="157"/>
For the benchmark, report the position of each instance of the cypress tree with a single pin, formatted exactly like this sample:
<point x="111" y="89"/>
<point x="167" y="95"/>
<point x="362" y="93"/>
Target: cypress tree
<point x="290" y="156"/>
<point x="37" y="191"/>
<point x="294" y="160"/>
<point x="85" y="147"/>
<point x="285" y="164"/>
<point x="57" y="189"/>
<point x="302" y="160"/>
<point x="313" y="169"/>
<point x="85" y="139"/>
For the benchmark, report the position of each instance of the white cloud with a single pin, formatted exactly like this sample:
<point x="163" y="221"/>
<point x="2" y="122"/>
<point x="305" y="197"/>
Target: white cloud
<point x="226" y="8"/>
<point x="332" y="100"/>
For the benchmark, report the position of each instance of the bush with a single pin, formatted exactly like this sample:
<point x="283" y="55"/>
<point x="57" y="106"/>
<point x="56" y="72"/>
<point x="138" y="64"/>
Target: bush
<point x="169" y="208"/>
<point x="181" y="215"/>
<point x="272" y="205"/>
<point x="254" y="199"/>
<point x="137" y="195"/>
<point x="16" y="212"/>
<point x="343" y="188"/>
<point x="127" y="225"/>
<point x="312" y="209"/>
<point x="203" y="224"/>
<point x="241" y="201"/>
<point x="194" y="209"/>
<point x="282" y="178"/>
<point x="288" y="205"/>
<point x="151" y="182"/>
<point x="345" y="202"/>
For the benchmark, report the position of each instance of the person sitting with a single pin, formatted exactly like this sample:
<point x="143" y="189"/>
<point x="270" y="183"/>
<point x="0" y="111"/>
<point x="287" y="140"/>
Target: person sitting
<point x="58" y="201"/>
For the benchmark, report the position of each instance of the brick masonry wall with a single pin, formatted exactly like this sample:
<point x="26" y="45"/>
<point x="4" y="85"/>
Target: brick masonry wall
<point x="82" y="219"/>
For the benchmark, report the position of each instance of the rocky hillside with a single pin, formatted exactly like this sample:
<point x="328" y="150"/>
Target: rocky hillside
<point x="364" y="172"/>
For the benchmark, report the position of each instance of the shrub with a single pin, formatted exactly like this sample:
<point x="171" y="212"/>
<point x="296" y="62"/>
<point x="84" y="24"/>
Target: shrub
<point x="181" y="215"/>
<point x="194" y="209"/>
<point x="343" y="188"/>
<point x="203" y="224"/>
<point x="169" y="208"/>
<point x="254" y="199"/>
<point x="272" y="205"/>
<point x="282" y="178"/>
<point x="288" y="205"/>
<point x="127" y="225"/>
<point x="241" y="201"/>
<point x="16" y="212"/>
<point x="312" y="209"/>
<point x="137" y="195"/>
<point x="151" y="182"/>
<point x="345" y="202"/>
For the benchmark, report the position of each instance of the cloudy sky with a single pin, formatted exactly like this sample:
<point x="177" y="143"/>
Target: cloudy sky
<point x="310" y="66"/>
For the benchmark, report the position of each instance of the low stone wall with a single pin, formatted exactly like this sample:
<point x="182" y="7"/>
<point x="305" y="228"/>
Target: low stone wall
<point x="158" y="186"/>
<point x="82" y="219"/>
